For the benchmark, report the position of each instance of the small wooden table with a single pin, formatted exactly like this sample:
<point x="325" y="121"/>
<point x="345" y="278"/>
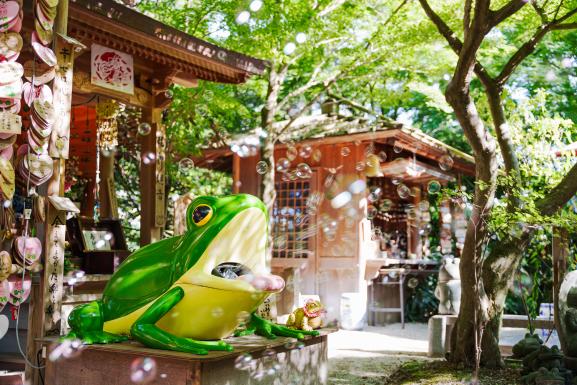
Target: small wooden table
<point x="110" y="364"/>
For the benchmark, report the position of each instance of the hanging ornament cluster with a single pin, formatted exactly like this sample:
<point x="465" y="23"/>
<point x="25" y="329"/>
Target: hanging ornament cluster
<point x="10" y="90"/>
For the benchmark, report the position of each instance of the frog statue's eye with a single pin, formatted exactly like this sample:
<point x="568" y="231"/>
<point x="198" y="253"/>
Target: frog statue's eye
<point x="201" y="215"/>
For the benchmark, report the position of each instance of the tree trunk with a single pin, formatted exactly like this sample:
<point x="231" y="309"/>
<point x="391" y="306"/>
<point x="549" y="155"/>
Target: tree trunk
<point x="267" y="190"/>
<point x="473" y="313"/>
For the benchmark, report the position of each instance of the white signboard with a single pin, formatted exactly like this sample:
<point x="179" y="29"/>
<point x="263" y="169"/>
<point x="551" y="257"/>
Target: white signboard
<point x="112" y="69"/>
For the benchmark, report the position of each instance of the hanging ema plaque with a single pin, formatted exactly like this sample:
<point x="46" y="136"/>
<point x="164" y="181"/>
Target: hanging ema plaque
<point x="112" y="69"/>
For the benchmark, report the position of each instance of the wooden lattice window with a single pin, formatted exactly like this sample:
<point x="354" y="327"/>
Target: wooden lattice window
<point x="291" y="220"/>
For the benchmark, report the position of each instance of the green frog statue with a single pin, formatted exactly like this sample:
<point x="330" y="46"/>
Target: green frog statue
<point x="187" y="292"/>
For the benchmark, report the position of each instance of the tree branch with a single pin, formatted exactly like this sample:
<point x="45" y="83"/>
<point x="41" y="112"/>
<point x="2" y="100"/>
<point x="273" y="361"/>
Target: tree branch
<point x="496" y="17"/>
<point x="540" y="11"/>
<point x="305" y="87"/>
<point x="560" y="194"/>
<point x="357" y="106"/>
<point x="454" y="42"/>
<point x="529" y="47"/>
<point x="564" y="26"/>
<point x="467" y="17"/>
<point x="304" y="109"/>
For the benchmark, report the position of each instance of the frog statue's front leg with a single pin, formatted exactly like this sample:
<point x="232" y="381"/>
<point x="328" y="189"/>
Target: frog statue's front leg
<point x="146" y="332"/>
<point x="262" y="327"/>
<point x="87" y="322"/>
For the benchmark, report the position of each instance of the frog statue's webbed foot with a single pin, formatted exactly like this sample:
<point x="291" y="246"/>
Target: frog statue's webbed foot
<point x="86" y="324"/>
<point x="262" y="327"/>
<point x="146" y="332"/>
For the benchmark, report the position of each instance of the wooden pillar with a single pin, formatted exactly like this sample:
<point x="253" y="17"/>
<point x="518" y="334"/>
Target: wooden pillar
<point x="152" y="167"/>
<point x="46" y="298"/>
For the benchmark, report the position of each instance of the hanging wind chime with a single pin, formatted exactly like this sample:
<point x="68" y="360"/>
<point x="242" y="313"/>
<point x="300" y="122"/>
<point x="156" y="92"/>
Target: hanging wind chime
<point x="106" y="140"/>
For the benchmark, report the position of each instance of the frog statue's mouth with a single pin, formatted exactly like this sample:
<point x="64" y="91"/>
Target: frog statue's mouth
<point x="235" y="260"/>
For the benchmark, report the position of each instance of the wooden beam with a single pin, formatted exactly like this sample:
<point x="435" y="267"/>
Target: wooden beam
<point x="82" y="85"/>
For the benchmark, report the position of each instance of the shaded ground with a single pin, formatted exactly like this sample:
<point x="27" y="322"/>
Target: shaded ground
<point x="391" y="355"/>
<point x="441" y="372"/>
<point x="367" y="370"/>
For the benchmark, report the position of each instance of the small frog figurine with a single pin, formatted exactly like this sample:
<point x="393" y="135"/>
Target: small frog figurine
<point x="308" y="317"/>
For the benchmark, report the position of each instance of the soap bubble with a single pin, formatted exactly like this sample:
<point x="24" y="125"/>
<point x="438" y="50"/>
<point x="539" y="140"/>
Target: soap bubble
<point x="345" y="151"/>
<point x="341" y="200"/>
<point x="66" y="349"/>
<point x="397" y="148"/>
<point x="255" y="5"/>
<point x="100" y="244"/>
<point x="217" y="312"/>
<point x="403" y="191"/>
<point x="7" y="203"/>
<point x="411" y="214"/>
<point x="433" y="187"/>
<point x="243" y="316"/>
<point x="289" y="48"/>
<point x="446" y="162"/>
<point x="291" y="344"/>
<point x="268" y="353"/>
<point x="383" y="156"/>
<point x="243" y="17"/>
<point x="393" y="274"/>
<point x="144" y="128"/>
<point x="143" y="370"/>
<point x="282" y="165"/>
<point x="424" y="206"/>
<point x="357" y="186"/>
<point x="305" y="151"/>
<point x="262" y="167"/>
<point x="185" y="164"/>
<point x="372" y="212"/>
<point x="301" y="37"/>
<point x="360" y="166"/>
<point x="396" y="180"/>
<point x="374" y="193"/>
<point x="317" y="155"/>
<point x="291" y="153"/>
<point x="243" y="361"/>
<point x="304" y="171"/>
<point x="168" y="94"/>
<point x="413" y="283"/>
<point x="373" y="161"/>
<point x="518" y="229"/>
<point x="386" y="204"/>
<point x="148" y="158"/>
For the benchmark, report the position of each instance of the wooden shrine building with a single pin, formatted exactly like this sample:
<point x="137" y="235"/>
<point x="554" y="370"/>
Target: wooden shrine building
<point x="328" y="232"/>
<point x="155" y="56"/>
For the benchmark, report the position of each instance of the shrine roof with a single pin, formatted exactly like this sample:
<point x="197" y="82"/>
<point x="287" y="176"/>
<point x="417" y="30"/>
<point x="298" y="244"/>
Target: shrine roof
<point x="114" y="25"/>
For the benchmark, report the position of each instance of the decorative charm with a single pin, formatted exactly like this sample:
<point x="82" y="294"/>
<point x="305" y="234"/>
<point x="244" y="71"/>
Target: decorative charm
<point x="188" y="289"/>
<point x="5" y="268"/>
<point x="307" y="317"/>
<point x="112" y="69"/>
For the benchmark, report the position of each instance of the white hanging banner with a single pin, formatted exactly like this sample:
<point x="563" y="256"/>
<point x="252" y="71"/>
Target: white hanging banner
<point x="112" y="69"/>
